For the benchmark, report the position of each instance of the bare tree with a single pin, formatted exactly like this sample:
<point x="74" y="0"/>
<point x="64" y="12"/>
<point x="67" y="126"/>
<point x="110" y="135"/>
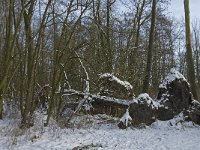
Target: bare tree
<point x="196" y="46"/>
<point x="9" y="51"/>
<point x="190" y="61"/>
<point x="150" y="48"/>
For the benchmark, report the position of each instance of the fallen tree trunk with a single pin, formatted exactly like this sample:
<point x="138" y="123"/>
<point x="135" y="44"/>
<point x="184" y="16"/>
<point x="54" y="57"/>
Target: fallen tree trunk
<point x="108" y="106"/>
<point x="95" y="104"/>
<point x="142" y="110"/>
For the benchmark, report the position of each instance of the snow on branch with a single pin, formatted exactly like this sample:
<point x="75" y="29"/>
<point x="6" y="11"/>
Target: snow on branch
<point x="66" y="78"/>
<point x="87" y="89"/>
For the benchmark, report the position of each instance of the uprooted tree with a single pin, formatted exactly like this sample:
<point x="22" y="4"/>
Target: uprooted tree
<point x="173" y="98"/>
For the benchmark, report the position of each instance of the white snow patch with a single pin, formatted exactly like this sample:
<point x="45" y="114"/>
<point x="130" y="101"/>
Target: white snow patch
<point x="126" y="84"/>
<point x="126" y="118"/>
<point x="87" y="104"/>
<point x="107" y="98"/>
<point x="145" y="98"/>
<point x="164" y="98"/>
<point x="166" y="135"/>
<point x="173" y="74"/>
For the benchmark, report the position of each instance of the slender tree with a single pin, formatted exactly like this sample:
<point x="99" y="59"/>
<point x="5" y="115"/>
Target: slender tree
<point x="190" y="61"/>
<point x="8" y="52"/>
<point x="150" y="48"/>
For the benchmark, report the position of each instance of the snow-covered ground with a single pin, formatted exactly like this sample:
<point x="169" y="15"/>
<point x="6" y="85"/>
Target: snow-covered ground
<point x="161" y="135"/>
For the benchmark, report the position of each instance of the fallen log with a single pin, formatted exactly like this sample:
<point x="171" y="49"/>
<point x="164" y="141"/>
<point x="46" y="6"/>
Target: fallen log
<point x="96" y="104"/>
<point x="108" y="106"/>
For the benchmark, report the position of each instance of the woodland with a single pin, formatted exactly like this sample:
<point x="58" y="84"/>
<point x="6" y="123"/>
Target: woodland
<point x="51" y="48"/>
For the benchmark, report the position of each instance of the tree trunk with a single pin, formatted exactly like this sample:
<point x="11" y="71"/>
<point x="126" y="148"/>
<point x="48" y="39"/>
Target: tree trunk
<point x="108" y="46"/>
<point x="8" y="55"/>
<point x="150" y="49"/>
<point x="29" y="60"/>
<point x="190" y="61"/>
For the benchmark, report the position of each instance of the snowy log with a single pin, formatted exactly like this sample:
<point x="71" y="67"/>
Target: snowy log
<point x="100" y="104"/>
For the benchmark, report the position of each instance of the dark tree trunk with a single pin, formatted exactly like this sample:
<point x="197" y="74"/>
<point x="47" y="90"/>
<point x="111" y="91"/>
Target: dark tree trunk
<point x="150" y="49"/>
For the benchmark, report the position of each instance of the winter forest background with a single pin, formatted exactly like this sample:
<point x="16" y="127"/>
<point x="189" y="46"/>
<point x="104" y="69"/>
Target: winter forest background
<point x="68" y="44"/>
<point x="98" y="74"/>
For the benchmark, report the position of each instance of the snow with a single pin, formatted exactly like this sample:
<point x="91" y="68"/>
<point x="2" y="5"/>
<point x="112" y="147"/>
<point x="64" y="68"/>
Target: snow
<point x="87" y="103"/>
<point x="126" y="118"/>
<point x="111" y="99"/>
<point x="173" y="75"/>
<point x="145" y="98"/>
<point x="161" y="135"/>
<point x="111" y="77"/>
<point x="87" y="83"/>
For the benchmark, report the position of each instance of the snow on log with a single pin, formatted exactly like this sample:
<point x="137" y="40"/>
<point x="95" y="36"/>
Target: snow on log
<point x="96" y="104"/>
<point x="108" y="105"/>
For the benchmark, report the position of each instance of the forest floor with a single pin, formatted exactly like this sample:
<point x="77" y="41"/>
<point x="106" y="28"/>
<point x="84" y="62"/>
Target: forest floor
<point x="99" y="132"/>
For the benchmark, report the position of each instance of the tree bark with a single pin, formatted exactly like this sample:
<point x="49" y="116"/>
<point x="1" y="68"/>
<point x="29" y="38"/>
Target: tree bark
<point x="4" y="83"/>
<point x="150" y="49"/>
<point x="190" y="61"/>
<point x="108" y="42"/>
